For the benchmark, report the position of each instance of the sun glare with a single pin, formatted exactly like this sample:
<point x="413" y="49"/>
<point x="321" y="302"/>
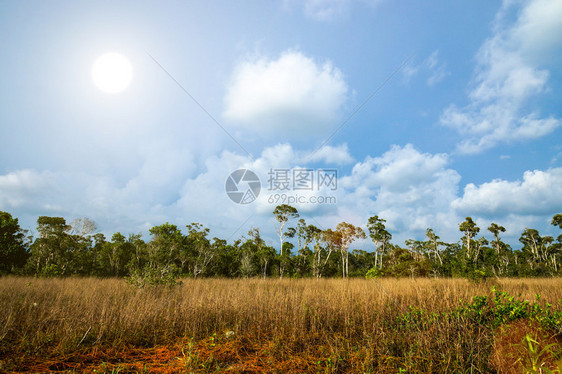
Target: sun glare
<point x="112" y="72"/>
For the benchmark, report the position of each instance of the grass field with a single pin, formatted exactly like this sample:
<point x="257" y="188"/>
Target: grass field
<point x="299" y="326"/>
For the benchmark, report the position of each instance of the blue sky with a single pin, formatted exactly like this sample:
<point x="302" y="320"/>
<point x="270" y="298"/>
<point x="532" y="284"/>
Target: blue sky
<point x="469" y="123"/>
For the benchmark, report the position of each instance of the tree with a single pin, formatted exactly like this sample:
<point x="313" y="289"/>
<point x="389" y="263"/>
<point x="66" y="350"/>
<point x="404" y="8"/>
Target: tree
<point x="532" y="242"/>
<point x="97" y="253"/>
<point x="264" y="253"/>
<point x="164" y="248"/>
<point x="557" y="220"/>
<point x="249" y="260"/>
<point x="51" y="253"/>
<point x="226" y="262"/>
<point x="139" y="254"/>
<point x="13" y="244"/>
<point x="469" y="228"/>
<point x="283" y="214"/>
<point x="63" y="249"/>
<point x="496" y="229"/>
<point x="200" y="247"/>
<point x="557" y="247"/>
<point x="80" y="237"/>
<point x="306" y="235"/>
<point x="117" y="255"/>
<point x="379" y="236"/>
<point x="551" y="251"/>
<point x="361" y="262"/>
<point x="325" y="243"/>
<point x="346" y="233"/>
<point x="434" y="242"/>
<point x="82" y="227"/>
<point x="500" y="247"/>
<point x="403" y="262"/>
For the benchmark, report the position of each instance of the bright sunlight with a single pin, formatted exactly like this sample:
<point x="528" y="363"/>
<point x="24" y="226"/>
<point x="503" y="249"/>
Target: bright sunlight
<point x="112" y="73"/>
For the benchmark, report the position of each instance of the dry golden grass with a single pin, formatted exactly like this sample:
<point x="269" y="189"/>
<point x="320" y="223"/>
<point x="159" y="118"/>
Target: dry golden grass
<point x="285" y="325"/>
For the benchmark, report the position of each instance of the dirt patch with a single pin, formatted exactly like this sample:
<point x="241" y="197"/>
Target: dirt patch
<point x="523" y="345"/>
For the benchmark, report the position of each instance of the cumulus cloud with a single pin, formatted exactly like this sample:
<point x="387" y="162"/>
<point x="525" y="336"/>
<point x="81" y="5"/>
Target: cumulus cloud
<point x="507" y="76"/>
<point x="540" y="192"/>
<point x="291" y="95"/>
<point x="19" y="189"/>
<point x="412" y="190"/>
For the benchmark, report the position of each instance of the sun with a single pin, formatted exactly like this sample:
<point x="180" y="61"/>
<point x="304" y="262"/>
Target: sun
<point x="112" y="72"/>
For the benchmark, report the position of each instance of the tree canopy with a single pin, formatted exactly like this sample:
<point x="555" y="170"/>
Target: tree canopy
<point x="303" y="250"/>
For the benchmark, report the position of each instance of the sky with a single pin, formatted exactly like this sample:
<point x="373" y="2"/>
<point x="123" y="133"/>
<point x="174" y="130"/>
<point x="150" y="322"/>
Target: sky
<point x="422" y="113"/>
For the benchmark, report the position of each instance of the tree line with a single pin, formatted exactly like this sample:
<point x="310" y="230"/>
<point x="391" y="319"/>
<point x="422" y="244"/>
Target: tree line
<point x="76" y="248"/>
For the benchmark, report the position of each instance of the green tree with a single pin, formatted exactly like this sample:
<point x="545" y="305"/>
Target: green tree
<point x="469" y="228"/>
<point x="139" y="254"/>
<point x="226" y="262"/>
<point x="434" y="243"/>
<point x="200" y="248"/>
<point x="117" y="254"/>
<point x="495" y="230"/>
<point x="361" y="262"/>
<point x="326" y="242"/>
<point x="557" y="220"/>
<point x="532" y="242"/>
<point x="283" y="214"/>
<point x="265" y="254"/>
<point x="249" y="259"/>
<point x="80" y="239"/>
<point x="502" y="253"/>
<point x="306" y="235"/>
<point x="379" y="236"/>
<point x="13" y="244"/>
<point x="164" y="248"/>
<point x="51" y="253"/>
<point x="557" y="247"/>
<point x="403" y="263"/>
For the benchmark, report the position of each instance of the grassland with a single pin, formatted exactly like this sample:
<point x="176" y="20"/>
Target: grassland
<point x="299" y="326"/>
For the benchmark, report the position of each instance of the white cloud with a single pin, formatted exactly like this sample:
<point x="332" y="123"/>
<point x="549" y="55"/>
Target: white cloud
<point x="328" y="10"/>
<point x="325" y="9"/>
<point x="338" y="155"/>
<point x="539" y="28"/>
<point x="284" y="95"/>
<point x="540" y="192"/>
<point x="508" y="74"/>
<point x="18" y="189"/>
<point x="412" y="190"/>
<point x="435" y="70"/>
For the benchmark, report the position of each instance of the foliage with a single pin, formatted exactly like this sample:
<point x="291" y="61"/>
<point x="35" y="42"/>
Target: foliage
<point x="149" y="276"/>
<point x="304" y="250"/>
<point x="13" y="243"/>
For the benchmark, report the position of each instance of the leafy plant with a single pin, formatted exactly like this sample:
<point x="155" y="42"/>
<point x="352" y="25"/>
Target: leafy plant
<point x="533" y="358"/>
<point x="149" y="276"/>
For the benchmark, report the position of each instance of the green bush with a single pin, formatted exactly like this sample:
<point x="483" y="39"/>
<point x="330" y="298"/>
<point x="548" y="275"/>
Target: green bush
<point x="374" y="273"/>
<point x="149" y="276"/>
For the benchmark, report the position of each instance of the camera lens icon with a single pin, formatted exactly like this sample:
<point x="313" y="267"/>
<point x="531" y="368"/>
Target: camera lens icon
<point x="243" y="186"/>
